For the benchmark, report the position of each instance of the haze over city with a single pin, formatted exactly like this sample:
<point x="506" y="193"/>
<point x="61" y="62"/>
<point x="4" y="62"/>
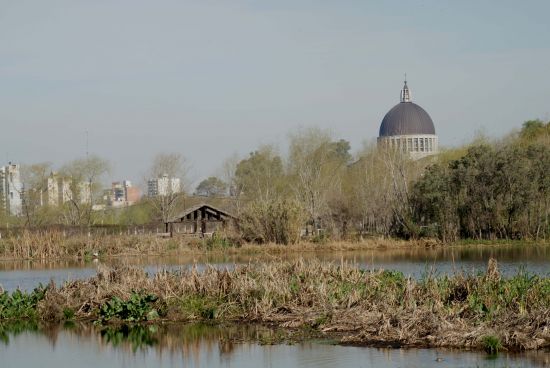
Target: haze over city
<point x="209" y="79"/>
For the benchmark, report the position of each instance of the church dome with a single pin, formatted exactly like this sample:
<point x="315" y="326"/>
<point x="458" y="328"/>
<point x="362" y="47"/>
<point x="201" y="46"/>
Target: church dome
<point x="406" y="118"/>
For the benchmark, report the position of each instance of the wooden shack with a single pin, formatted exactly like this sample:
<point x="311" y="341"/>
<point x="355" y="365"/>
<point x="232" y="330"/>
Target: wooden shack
<point x="202" y="219"/>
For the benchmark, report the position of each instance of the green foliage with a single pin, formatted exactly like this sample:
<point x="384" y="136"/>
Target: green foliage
<point x="500" y="191"/>
<point x="200" y="307"/>
<point x="533" y="130"/>
<point x="211" y="187"/>
<point x="491" y="344"/>
<point x="260" y="176"/>
<point x="14" y="328"/>
<point x="19" y="304"/>
<point x="218" y="241"/>
<point x="139" y="307"/>
<point x="138" y="336"/>
<point x="68" y="313"/>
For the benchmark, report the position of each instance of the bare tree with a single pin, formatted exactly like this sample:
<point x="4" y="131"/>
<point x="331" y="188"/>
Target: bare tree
<point x="166" y="170"/>
<point x="84" y="186"/>
<point x="315" y="165"/>
<point x="400" y="172"/>
<point x="35" y="186"/>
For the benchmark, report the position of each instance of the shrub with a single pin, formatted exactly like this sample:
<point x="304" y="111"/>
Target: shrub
<point x="279" y="221"/>
<point x="491" y="344"/>
<point x="139" y="307"/>
<point x="19" y="304"/>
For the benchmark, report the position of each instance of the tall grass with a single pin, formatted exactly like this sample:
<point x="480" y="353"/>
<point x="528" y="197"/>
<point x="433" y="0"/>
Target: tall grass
<point x="374" y="307"/>
<point x="53" y="244"/>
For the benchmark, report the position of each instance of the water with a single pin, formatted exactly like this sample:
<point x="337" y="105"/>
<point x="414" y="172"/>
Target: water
<point x="223" y="346"/>
<point x="413" y="261"/>
<point x="240" y="346"/>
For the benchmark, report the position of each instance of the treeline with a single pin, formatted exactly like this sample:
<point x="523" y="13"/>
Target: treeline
<point x="319" y="190"/>
<point x="486" y="190"/>
<point x="492" y="192"/>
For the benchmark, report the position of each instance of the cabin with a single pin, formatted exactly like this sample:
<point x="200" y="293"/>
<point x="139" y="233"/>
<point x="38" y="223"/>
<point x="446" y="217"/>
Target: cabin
<point x="202" y="219"/>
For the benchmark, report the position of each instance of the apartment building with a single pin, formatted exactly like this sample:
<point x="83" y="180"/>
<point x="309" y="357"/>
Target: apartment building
<point x="163" y="186"/>
<point x="11" y="189"/>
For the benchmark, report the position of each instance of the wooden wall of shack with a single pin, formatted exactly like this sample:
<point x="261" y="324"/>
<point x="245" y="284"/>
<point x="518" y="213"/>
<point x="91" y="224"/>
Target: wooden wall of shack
<point x="200" y="221"/>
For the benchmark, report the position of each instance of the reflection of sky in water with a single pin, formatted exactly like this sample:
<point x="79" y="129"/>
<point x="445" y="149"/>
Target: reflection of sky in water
<point x="414" y="261"/>
<point x="70" y="350"/>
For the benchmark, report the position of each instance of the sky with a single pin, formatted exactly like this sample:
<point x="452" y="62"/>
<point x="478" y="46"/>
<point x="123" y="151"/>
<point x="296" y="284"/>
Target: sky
<point x="212" y="79"/>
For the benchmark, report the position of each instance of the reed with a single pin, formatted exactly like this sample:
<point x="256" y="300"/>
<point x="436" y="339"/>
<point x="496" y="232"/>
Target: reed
<point x="381" y="308"/>
<point x="55" y="244"/>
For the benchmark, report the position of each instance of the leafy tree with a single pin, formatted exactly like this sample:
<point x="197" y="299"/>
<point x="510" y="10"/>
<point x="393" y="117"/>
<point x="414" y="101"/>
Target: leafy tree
<point x="494" y="191"/>
<point x="260" y="176"/>
<point x="211" y="187"/>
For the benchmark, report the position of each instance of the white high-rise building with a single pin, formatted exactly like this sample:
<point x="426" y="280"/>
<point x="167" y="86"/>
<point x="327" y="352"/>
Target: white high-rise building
<point x="59" y="190"/>
<point x="11" y="189"/>
<point x="163" y="186"/>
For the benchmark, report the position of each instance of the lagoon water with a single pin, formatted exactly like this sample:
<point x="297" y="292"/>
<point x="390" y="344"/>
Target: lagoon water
<point x="239" y="346"/>
<point x="415" y="262"/>
<point x="223" y="346"/>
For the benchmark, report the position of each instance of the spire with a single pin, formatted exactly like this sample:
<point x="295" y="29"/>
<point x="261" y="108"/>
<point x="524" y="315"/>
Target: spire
<point x="405" y="93"/>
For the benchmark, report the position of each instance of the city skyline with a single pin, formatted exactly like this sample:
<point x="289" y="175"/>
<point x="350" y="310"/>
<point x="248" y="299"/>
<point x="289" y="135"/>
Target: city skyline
<point x="177" y="76"/>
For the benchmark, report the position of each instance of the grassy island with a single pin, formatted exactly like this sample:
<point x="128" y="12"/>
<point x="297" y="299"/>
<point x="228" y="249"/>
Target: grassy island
<point x="376" y="308"/>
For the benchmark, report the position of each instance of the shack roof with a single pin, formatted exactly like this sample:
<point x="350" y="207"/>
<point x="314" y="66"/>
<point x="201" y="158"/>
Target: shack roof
<point x="200" y="206"/>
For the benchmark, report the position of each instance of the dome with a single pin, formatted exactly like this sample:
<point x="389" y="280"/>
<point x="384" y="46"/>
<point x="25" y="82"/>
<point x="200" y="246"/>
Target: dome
<point x="406" y="118"/>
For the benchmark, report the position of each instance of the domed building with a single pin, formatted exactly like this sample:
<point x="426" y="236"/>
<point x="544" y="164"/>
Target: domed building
<point x="407" y="127"/>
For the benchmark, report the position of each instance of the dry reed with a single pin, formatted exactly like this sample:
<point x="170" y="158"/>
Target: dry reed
<point x="381" y="308"/>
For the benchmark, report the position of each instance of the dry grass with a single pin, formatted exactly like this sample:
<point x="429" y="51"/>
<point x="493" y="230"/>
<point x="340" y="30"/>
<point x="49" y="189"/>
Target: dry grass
<point x="55" y="244"/>
<point x="340" y="300"/>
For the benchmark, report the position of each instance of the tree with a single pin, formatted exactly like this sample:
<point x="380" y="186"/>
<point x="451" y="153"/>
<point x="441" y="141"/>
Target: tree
<point x="84" y="178"/>
<point x="494" y="191"/>
<point x="367" y="182"/>
<point x="276" y="220"/>
<point x="228" y="171"/>
<point x="35" y="184"/>
<point x="211" y="187"/>
<point x="260" y="176"/>
<point x="315" y="168"/>
<point x="166" y="204"/>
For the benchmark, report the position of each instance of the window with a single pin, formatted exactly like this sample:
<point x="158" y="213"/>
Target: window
<point x="416" y="144"/>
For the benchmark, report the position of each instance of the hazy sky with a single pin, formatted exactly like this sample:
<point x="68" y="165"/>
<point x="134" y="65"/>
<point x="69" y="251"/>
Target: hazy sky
<point x="212" y="78"/>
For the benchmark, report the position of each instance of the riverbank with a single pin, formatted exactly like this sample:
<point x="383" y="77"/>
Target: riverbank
<point x="56" y="245"/>
<point x="376" y="308"/>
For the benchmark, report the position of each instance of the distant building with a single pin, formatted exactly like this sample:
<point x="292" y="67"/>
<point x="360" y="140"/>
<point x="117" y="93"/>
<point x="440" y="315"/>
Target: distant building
<point x="408" y="128"/>
<point x="163" y="186"/>
<point x="59" y="190"/>
<point x="123" y="194"/>
<point x="11" y="189"/>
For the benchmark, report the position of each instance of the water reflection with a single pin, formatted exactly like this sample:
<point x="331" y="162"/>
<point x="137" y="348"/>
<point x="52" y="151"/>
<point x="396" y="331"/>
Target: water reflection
<point x="199" y="345"/>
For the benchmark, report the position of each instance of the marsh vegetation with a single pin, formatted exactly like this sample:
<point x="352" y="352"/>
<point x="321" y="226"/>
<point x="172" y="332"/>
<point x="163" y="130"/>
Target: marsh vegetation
<point x="381" y="308"/>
